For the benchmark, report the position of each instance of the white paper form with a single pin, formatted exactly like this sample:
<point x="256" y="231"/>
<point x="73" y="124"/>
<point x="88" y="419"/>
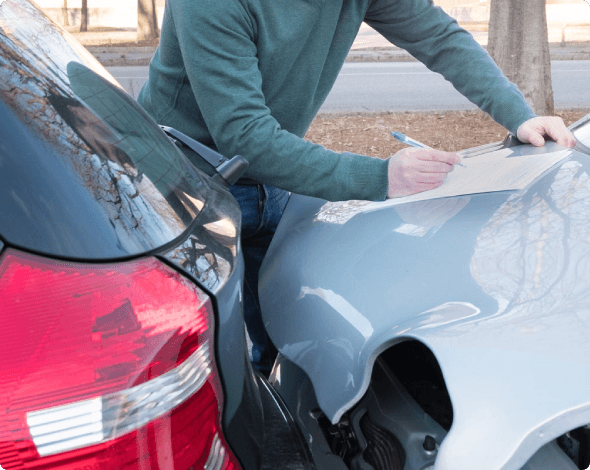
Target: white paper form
<point x="490" y="172"/>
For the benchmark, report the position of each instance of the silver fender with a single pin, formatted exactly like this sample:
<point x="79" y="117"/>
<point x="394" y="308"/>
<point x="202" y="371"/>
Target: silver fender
<point x="496" y="285"/>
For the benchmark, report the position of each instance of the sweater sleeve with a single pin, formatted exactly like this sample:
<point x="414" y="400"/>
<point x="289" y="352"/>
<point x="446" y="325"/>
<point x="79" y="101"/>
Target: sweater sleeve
<point x="217" y="39"/>
<point x="435" y="39"/>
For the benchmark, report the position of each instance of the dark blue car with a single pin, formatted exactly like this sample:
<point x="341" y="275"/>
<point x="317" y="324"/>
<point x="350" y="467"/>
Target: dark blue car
<point x="123" y="343"/>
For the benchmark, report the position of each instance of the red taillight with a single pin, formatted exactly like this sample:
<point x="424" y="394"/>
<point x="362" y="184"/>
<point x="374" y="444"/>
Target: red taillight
<point x="106" y="367"/>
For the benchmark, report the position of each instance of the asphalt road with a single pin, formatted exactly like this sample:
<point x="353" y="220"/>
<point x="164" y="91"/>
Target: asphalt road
<point x="374" y="87"/>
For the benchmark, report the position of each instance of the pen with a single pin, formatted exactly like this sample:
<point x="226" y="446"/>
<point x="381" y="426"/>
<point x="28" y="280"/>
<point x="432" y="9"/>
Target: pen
<point x="414" y="143"/>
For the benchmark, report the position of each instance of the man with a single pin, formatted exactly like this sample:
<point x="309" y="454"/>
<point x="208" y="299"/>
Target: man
<point x="248" y="76"/>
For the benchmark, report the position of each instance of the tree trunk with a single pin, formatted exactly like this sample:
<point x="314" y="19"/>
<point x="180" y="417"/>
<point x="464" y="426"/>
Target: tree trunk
<point x="147" y="23"/>
<point x="519" y="44"/>
<point x="64" y="11"/>
<point x="84" y="16"/>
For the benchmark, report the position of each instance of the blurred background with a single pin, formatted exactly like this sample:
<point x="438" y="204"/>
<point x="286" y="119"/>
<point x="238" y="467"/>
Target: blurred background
<point x="568" y="21"/>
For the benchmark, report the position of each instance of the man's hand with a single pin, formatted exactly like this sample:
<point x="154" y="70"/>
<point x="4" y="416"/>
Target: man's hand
<point x="414" y="170"/>
<point x="535" y="131"/>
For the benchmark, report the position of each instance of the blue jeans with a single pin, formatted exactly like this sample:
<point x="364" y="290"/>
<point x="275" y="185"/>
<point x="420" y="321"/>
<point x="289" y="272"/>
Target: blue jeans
<point x="262" y="207"/>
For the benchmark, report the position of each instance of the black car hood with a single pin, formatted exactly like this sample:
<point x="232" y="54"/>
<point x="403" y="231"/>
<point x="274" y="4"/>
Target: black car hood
<point x="84" y="171"/>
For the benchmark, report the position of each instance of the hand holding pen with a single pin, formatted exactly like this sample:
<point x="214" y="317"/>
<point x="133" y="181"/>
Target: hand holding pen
<point x="403" y="138"/>
<point x="413" y="170"/>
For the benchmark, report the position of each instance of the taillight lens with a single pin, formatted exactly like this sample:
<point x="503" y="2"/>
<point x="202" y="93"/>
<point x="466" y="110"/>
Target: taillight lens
<point x="106" y="367"/>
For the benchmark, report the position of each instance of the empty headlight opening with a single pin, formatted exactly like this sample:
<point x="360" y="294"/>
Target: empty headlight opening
<point x="416" y="367"/>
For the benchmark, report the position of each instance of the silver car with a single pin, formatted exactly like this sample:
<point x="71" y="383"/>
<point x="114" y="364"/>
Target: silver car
<point x="450" y="333"/>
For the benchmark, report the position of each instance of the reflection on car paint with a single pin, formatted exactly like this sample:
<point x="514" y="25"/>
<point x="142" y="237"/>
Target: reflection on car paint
<point x="210" y="252"/>
<point x="535" y="248"/>
<point x="340" y="212"/>
<point x="445" y="314"/>
<point x="427" y="217"/>
<point x="143" y="184"/>
<point x="356" y="319"/>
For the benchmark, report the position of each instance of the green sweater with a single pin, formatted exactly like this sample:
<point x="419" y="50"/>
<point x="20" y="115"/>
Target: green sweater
<point x="248" y="76"/>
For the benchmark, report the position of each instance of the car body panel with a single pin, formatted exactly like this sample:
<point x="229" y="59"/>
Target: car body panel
<point x="496" y="285"/>
<point x="95" y="176"/>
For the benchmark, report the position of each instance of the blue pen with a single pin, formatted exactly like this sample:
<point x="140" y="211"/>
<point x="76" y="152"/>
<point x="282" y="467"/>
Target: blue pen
<point x="414" y="143"/>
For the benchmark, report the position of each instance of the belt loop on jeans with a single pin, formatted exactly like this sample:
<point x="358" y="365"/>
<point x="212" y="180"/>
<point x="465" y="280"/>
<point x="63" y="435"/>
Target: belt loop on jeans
<point x="247" y="182"/>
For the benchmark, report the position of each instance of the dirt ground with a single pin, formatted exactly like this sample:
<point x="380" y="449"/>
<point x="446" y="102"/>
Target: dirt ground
<point x="369" y="135"/>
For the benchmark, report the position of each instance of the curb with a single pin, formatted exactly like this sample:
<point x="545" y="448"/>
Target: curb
<point x="379" y="55"/>
<point x="113" y="56"/>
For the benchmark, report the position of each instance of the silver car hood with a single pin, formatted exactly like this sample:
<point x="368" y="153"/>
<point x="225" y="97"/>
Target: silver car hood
<point x="496" y="285"/>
